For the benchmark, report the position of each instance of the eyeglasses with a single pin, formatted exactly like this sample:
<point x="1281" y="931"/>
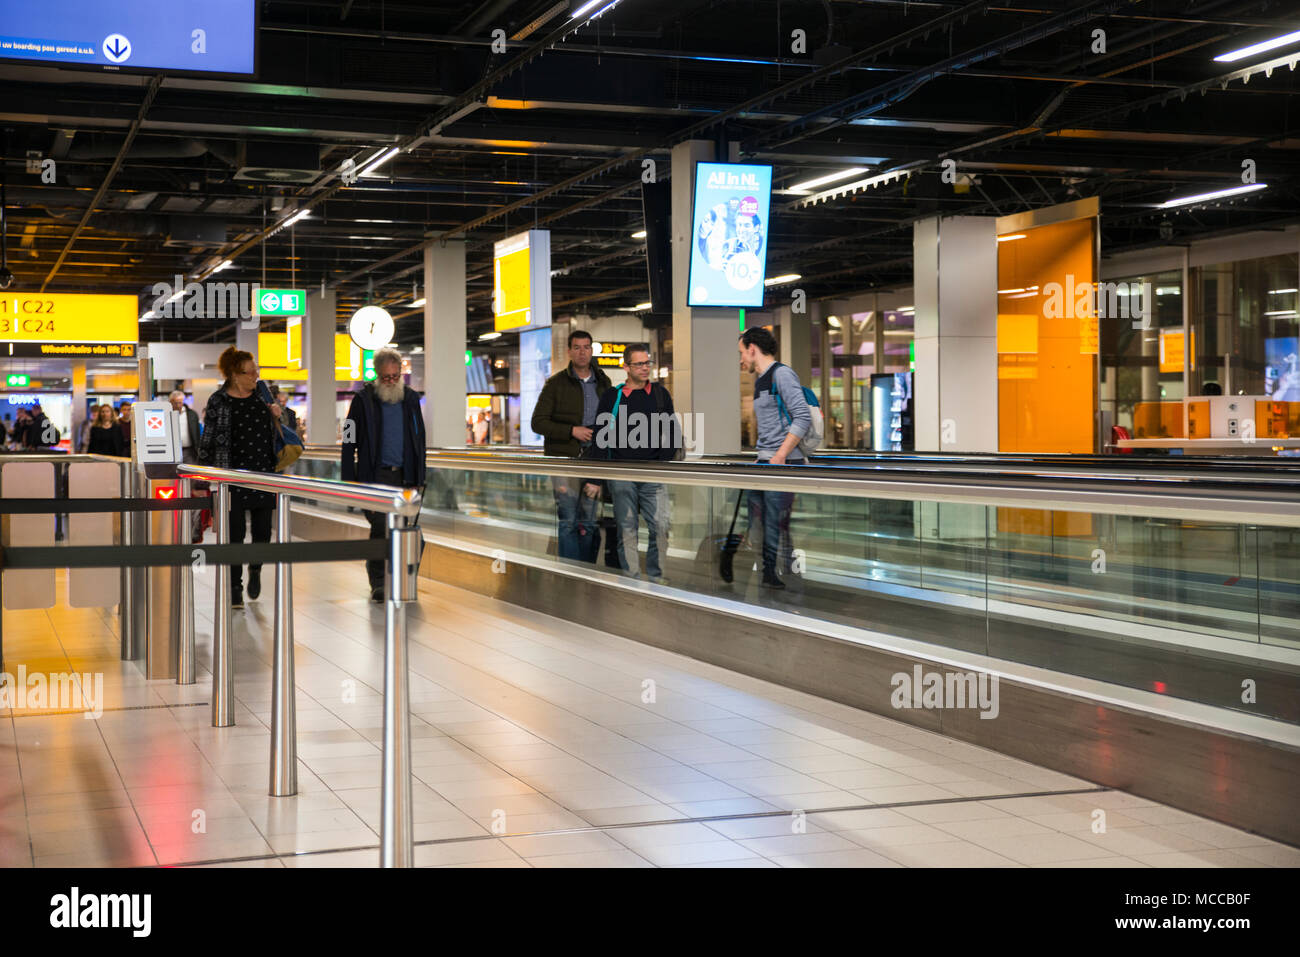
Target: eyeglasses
<point x="642" y="365"/>
<point x="395" y="377"/>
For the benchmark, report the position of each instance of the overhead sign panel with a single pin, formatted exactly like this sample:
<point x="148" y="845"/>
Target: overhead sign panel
<point x="279" y="302"/>
<point x="68" y="324"/>
<point x="175" y="36"/>
<point x="729" y="234"/>
<point x="521" y="289"/>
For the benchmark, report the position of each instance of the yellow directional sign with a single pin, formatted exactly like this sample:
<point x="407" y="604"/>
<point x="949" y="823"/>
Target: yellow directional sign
<point x="68" y="318"/>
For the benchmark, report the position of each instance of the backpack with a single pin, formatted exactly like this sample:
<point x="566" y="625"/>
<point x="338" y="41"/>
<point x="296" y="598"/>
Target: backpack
<point x="816" y="434"/>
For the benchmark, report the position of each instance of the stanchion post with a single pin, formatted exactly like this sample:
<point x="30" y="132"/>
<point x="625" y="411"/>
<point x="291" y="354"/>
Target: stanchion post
<point x="396" y="835"/>
<point x="284" y="734"/>
<point x="126" y="608"/>
<point x="223" y="661"/>
<point x="186" y="670"/>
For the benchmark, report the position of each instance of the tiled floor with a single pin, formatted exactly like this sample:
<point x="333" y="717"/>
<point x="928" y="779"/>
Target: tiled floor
<point x="536" y="743"/>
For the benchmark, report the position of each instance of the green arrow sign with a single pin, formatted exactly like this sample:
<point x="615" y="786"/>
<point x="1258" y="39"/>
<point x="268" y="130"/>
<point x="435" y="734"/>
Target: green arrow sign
<point x="20" y="380"/>
<point x="279" y="302"/>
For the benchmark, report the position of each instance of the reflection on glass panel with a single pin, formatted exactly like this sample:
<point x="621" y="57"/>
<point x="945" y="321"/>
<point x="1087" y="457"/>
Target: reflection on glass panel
<point x="1245" y="328"/>
<point x="1142" y="354"/>
<point x="1170" y="606"/>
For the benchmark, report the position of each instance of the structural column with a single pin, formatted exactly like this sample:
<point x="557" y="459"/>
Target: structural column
<point x="318" y="353"/>
<point x="78" y="400"/>
<point x="706" y="369"/>
<point x="444" y="344"/>
<point x="956" y="384"/>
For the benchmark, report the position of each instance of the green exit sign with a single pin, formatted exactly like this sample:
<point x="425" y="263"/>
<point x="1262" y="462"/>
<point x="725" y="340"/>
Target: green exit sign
<point x="368" y="365"/>
<point x="23" y="380"/>
<point x="279" y="302"/>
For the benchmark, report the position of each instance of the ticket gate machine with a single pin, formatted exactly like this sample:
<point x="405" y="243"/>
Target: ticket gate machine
<point x="164" y="594"/>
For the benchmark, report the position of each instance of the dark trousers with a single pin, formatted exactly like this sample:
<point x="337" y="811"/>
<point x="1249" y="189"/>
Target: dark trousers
<point x="379" y="524"/>
<point x="261" y="533"/>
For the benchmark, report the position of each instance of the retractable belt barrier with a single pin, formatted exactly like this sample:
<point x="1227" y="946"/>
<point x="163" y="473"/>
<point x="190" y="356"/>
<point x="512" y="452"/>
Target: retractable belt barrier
<point x="401" y="551"/>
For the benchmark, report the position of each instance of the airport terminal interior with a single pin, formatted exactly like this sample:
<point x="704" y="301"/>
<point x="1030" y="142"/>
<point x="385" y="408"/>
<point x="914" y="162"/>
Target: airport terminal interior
<point x="603" y="433"/>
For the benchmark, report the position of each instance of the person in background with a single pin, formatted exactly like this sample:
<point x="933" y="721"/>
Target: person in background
<point x="780" y="427"/>
<point x="18" y="434"/>
<point x="383" y="444"/>
<point x="83" y="435"/>
<point x="189" y="427"/>
<point x="41" y="433"/>
<point x="647" y="432"/>
<point x="237" y="434"/>
<point x="564" y="416"/>
<point x="124" y="422"/>
<point x="290" y="417"/>
<point x="105" y="436"/>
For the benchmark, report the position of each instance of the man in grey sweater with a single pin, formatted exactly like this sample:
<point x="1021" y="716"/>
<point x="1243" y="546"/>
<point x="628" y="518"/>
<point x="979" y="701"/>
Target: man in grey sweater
<point x="782" y="417"/>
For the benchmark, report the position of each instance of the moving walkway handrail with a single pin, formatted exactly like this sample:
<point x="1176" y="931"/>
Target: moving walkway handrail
<point x="1264" y="504"/>
<point x="376" y="498"/>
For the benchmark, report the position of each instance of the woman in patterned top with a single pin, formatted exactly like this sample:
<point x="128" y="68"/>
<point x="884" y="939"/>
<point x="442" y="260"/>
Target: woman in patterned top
<point x="238" y="433"/>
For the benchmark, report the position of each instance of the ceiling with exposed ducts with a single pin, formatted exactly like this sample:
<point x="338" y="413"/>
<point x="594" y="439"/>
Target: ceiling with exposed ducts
<point x="185" y="172"/>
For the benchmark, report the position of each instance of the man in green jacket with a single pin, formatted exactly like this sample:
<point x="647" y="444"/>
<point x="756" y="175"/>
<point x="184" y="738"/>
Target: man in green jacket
<point x="565" y="417"/>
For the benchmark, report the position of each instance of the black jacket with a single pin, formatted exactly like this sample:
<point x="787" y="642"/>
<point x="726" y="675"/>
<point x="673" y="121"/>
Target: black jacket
<point x="559" y="409"/>
<point x="361" y="456"/>
<point x="645" y="428"/>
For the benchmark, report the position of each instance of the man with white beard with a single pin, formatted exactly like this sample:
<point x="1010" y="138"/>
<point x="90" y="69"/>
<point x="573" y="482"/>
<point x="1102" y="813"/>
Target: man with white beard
<point x="383" y="443"/>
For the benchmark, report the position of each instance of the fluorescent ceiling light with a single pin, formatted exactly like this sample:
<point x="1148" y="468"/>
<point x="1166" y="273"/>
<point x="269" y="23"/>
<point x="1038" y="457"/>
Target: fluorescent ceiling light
<point x="1008" y="292"/>
<point x="383" y="157"/>
<point x="879" y="179"/>
<point x="642" y="306"/>
<point x="1258" y="48"/>
<point x="301" y="214"/>
<point x="1217" y="194"/>
<point x="1280" y="292"/>
<point x="1010" y="236"/>
<point x="1281" y="312"/>
<point x="906" y="309"/>
<point x="639" y="234"/>
<point x="1168" y="290"/>
<point x="225" y="264"/>
<point x="417" y="302"/>
<point x="782" y="280"/>
<point x="807" y="186"/>
<point x="833" y="321"/>
<point x="489" y="335"/>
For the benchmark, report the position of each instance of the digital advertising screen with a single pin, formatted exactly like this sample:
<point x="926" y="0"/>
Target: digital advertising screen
<point x="1282" y="369"/>
<point x="183" y="36"/>
<point x="729" y="234"/>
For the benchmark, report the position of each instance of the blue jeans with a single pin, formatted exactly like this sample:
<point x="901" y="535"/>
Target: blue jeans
<point x="578" y="536"/>
<point x="770" y="511"/>
<point x="649" y="500"/>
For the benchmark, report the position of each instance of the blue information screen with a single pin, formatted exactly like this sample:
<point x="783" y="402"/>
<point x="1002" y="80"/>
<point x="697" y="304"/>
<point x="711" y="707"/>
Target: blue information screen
<point x="729" y="234"/>
<point x="205" y="36"/>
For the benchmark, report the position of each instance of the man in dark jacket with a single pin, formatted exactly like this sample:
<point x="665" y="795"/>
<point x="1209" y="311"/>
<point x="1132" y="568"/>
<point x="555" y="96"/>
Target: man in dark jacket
<point x="383" y="443"/>
<point x="564" y="416"/>
<point x="635" y="422"/>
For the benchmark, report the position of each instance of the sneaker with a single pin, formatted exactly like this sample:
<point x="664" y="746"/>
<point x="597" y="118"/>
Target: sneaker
<point x="254" y="582"/>
<point x="237" y="599"/>
<point x="377" y="595"/>
<point x="771" y="581"/>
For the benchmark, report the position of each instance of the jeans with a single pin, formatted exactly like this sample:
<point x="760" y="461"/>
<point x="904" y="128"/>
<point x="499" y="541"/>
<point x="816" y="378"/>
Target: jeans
<point x="650" y="500"/>
<point x="379" y="525"/>
<point x="261" y="533"/>
<point x="578" y="537"/>
<point x="770" y="511"/>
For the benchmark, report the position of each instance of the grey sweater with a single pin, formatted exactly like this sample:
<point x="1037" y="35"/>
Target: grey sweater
<point x="773" y="427"/>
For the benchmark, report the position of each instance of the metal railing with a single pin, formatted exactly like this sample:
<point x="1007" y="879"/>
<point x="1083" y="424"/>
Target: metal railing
<point x="401" y="569"/>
